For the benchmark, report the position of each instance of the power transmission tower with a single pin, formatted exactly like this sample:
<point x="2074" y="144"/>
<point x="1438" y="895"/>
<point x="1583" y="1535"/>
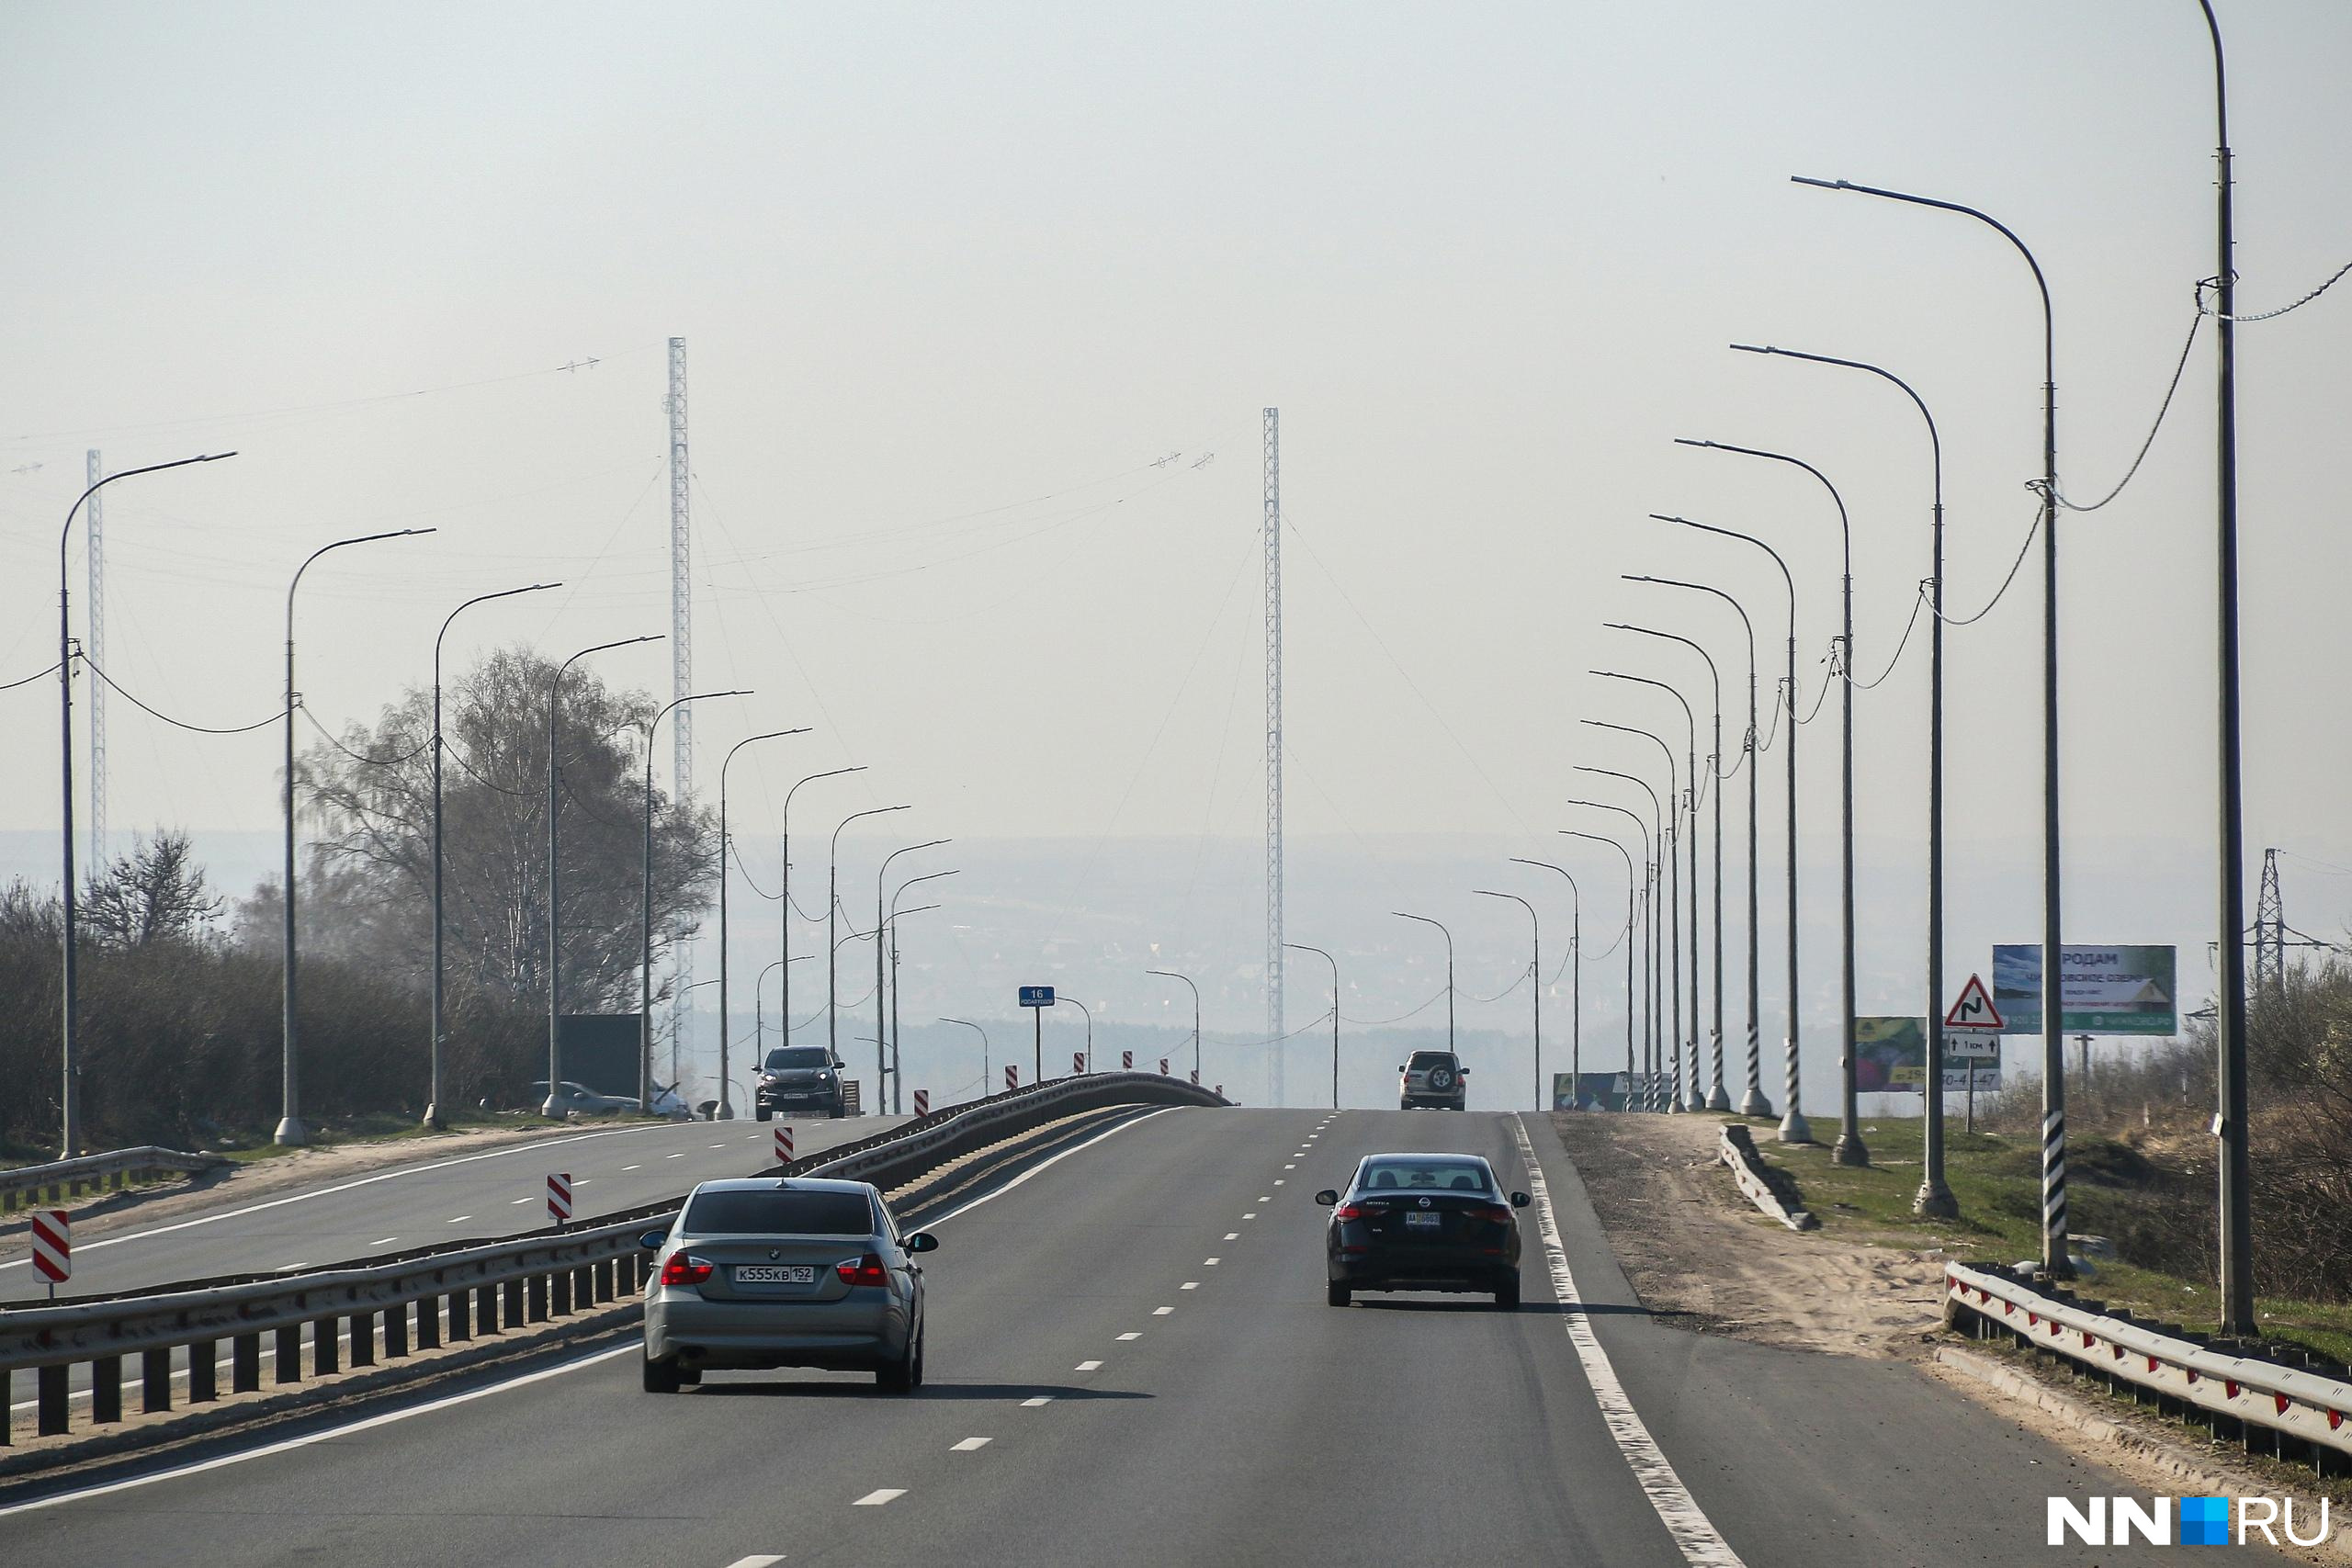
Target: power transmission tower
<point x="681" y="660"/>
<point x="2270" y="929"/>
<point x="1273" y="526"/>
<point x="95" y="647"/>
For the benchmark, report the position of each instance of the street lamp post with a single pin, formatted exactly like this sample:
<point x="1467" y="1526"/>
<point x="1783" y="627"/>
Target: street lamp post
<point x="553" y="1106"/>
<point x="2055" y="1259"/>
<point x="433" y="1117"/>
<point x="1449" y="971"/>
<point x="725" y="1112"/>
<point x="1171" y="974"/>
<point x="1718" y="1098"/>
<point x="69" y="1108"/>
<point x="882" y="1063"/>
<point x="1935" y="1198"/>
<point x="1660" y="853"/>
<point x="1535" y="974"/>
<point x="1627" y="855"/>
<point x="898" y="1082"/>
<point x="1794" y="1129"/>
<point x="1849" y="1149"/>
<point x="645" y="917"/>
<point x="833" y="944"/>
<point x="1575" y="986"/>
<point x="784" y="893"/>
<point x="759" y="1025"/>
<point x="1335" y="1013"/>
<point x="1753" y="1102"/>
<point x="290" y="1129"/>
<point x="984" y="1049"/>
<point x="1695" y="1100"/>
<point x="1088" y="1013"/>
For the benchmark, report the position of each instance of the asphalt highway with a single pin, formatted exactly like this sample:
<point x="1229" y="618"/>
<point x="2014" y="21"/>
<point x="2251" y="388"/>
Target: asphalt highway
<point x="479" y="1196"/>
<point x="1131" y="1361"/>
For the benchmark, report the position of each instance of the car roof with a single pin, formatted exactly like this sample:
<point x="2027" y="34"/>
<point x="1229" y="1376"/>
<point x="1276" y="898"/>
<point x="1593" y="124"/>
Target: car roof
<point x="775" y="1183"/>
<point x="1429" y="1154"/>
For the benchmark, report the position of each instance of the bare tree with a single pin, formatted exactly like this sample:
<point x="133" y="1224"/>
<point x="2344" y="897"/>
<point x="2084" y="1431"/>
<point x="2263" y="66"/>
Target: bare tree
<point x="155" y="894"/>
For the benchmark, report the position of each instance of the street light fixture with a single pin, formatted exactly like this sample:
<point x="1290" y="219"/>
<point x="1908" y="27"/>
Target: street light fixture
<point x="882" y="1063"/>
<point x="1535" y="974"/>
<point x="1627" y="856"/>
<point x="69" y="1106"/>
<point x="1576" y="982"/>
<point x="833" y="944"/>
<point x="1088" y="1013"/>
<point x="1753" y="1102"/>
<point x="726" y="1108"/>
<point x="433" y="1117"/>
<point x="1335" y="1013"/>
<point x="1695" y="1100"/>
<point x="898" y="1081"/>
<point x="290" y="1130"/>
<point x="1449" y="971"/>
<point x="783" y="891"/>
<point x="1673" y="833"/>
<point x="645" y="917"/>
<point x="984" y="1049"/>
<point x="2055" y="1259"/>
<point x="555" y="884"/>
<point x="1171" y="974"/>
<point x="1660" y="853"/>
<point x="1794" y="1129"/>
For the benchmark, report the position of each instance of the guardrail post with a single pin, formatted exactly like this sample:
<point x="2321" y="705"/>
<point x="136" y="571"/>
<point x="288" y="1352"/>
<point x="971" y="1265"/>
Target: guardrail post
<point x="534" y="1299"/>
<point x="601" y="1277"/>
<point x="154" y="1381"/>
<point x="428" y="1319"/>
<point x="396" y="1327"/>
<point x="7" y="1402"/>
<point x="245" y="1363"/>
<point x="51" y="1399"/>
<point x="105" y="1388"/>
<point x="560" y="1293"/>
<point x="203" y="1372"/>
<point x="325" y="1352"/>
<point x="510" y="1313"/>
<point x="288" y="1354"/>
<point x="583" y="1286"/>
<point x="363" y="1338"/>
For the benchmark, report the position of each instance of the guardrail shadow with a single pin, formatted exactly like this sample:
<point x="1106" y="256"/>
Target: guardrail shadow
<point x="1525" y="1309"/>
<point x="943" y="1391"/>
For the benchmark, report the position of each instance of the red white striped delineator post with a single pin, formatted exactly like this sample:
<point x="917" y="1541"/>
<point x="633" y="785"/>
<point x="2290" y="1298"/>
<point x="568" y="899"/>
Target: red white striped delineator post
<point x="1076" y="1063"/>
<point x="1196" y="1078"/>
<point x="52" y="1245"/>
<point x="560" y="1196"/>
<point x="1127" y="1061"/>
<point x="784" y="1143"/>
<point x="922" y="1102"/>
<point x="1012" y="1078"/>
<point x="1163" y="1066"/>
<point x="1220" y="1091"/>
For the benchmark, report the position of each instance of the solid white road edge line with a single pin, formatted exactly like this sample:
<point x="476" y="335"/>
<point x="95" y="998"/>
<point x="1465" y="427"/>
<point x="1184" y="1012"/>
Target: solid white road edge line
<point x="304" y="1441"/>
<point x="1700" y="1544"/>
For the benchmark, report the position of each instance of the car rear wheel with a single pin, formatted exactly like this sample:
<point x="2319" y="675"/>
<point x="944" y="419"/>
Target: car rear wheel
<point x="1507" y="1294"/>
<point x="763" y="1113"/>
<point x="660" y="1376"/>
<point x="905" y="1374"/>
<point x="1337" y="1294"/>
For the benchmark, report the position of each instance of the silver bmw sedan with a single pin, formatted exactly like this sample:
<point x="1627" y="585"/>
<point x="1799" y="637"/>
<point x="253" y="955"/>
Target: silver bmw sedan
<point x="785" y="1272"/>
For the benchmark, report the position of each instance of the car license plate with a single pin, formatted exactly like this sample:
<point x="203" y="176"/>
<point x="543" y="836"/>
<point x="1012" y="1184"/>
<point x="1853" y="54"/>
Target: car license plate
<point x="1416" y="1220"/>
<point x="775" y="1273"/>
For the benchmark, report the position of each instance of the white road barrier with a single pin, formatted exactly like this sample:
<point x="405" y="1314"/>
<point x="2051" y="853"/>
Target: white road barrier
<point x="1737" y="1148"/>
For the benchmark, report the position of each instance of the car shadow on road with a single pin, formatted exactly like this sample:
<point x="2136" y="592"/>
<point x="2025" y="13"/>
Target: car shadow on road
<point x="932" y="1391"/>
<point x="1543" y="1309"/>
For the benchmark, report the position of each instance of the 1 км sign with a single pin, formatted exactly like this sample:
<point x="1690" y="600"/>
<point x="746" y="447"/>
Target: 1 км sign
<point x="2105" y="991"/>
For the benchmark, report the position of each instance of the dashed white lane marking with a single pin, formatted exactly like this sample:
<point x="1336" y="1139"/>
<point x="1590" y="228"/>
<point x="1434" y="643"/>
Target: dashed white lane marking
<point x="878" y="1496"/>
<point x="1130" y="1337"/>
<point x="1262" y="1198"/>
<point x="383" y="1241"/>
<point x="1278" y="1181"/>
<point x="1286" y="1167"/>
<point x="1233" y="1235"/>
<point x="968" y="1445"/>
<point x="1189" y="1285"/>
<point x="1212" y="1262"/>
<point x="320" y="1436"/>
<point x="680" y="1154"/>
<point x="527" y="1200"/>
<point x="721" y="1146"/>
<point x="1161" y="1312"/>
<point x="641" y="1168"/>
<point x="460" y="1219"/>
<point x="1693" y="1533"/>
<point x="765" y="1560"/>
<point x="1252" y="1214"/>
<point x="1087" y="1366"/>
<point x="1037" y="1402"/>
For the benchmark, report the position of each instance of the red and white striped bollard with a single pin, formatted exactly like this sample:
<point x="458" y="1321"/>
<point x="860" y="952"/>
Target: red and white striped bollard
<point x="560" y="1196"/>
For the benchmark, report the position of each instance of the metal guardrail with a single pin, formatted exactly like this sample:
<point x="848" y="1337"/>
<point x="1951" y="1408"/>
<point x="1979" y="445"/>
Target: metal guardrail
<point x="1737" y="1148"/>
<point x="422" y="1301"/>
<point x="68" y="1178"/>
<point x="2301" y="1406"/>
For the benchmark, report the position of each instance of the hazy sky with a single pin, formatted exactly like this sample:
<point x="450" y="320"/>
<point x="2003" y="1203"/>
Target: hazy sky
<point x="953" y="278"/>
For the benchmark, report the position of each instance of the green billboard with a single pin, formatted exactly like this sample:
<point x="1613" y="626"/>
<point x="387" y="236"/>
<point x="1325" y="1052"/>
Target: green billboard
<point x="2105" y="991"/>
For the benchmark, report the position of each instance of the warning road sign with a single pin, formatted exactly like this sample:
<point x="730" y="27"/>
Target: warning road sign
<point x="1974" y="1009"/>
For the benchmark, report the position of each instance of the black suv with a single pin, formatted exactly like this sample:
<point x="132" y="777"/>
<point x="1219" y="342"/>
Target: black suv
<point x="798" y="1077"/>
<point x="1431" y="1078"/>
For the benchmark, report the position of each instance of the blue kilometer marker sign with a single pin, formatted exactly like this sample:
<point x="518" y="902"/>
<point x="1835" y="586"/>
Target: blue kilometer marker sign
<point x="1036" y="995"/>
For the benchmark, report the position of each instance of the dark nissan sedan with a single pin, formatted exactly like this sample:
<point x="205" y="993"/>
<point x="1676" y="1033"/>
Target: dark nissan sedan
<point x="1424" y="1223"/>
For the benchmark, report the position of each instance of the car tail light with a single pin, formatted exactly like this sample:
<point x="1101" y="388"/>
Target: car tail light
<point x="1493" y="1213"/>
<point x="866" y="1271"/>
<point x="683" y="1270"/>
<point x="1354" y="1211"/>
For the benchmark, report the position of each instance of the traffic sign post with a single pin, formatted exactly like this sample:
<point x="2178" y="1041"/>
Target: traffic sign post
<point x="1038" y="997"/>
<point x="1971" y="1034"/>
<point x="560" y="1196"/>
<point x="53" y="1247"/>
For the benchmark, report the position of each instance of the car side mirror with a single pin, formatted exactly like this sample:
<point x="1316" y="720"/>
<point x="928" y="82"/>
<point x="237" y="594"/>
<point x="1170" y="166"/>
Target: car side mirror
<point x="921" y="1241"/>
<point x="1326" y="1197"/>
<point x="653" y="1241"/>
<point x="1400" y="1066"/>
<point x="1520" y="1200"/>
<point x="1460" y="1072"/>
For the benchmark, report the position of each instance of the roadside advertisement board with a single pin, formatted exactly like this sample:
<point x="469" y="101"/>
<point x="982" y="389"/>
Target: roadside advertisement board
<point x="1891" y="1057"/>
<point x="2106" y="991"/>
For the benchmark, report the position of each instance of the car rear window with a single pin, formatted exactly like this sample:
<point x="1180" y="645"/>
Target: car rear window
<point x="1437" y="1175"/>
<point x="798" y="1056"/>
<point x="780" y="1213"/>
<point x="1420" y="1059"/>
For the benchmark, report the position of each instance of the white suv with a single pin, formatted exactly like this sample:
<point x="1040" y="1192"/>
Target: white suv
<point x="1431" y="1078"/>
